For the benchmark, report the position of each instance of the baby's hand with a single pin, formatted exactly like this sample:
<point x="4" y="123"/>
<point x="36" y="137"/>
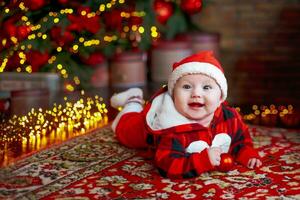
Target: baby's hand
<point x="254" y="162"/>
<point x="214" y="154"/>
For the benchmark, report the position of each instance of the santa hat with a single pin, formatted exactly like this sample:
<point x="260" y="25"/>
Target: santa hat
<point x="203" y="62"/>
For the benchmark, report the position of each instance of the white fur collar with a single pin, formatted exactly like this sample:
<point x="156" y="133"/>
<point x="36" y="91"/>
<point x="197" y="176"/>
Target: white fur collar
<point x="162" y="113"/>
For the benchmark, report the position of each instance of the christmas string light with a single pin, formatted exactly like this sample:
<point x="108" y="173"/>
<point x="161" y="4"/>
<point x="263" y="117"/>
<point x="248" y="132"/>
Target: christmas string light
<point x="37" y="31"/>
<point x="3" y="64"/>
<point x="79" y="117"/>
<point x="272" y="115"/>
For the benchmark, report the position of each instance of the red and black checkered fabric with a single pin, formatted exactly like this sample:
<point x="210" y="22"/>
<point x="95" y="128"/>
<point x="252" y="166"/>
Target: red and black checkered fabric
<point x="169" y="145"/>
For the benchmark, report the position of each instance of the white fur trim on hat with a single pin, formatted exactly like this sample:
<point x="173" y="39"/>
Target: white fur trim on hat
<point x="198" y="68"/>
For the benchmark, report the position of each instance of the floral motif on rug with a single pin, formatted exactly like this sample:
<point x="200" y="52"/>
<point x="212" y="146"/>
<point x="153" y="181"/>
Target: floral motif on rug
<point x="96" y="166"/>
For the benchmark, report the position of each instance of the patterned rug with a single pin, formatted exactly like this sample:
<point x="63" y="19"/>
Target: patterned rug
<point x="95" y="166"/>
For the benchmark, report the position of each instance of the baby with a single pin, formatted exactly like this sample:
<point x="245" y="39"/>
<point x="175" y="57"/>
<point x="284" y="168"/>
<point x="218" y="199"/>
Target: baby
<point x="187" y="125"/>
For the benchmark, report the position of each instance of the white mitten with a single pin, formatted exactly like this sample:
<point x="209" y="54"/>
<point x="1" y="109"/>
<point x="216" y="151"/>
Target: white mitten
<point x="197" y="147"/>
<point x="223" y="141"/>
<point x="122" y="98"/>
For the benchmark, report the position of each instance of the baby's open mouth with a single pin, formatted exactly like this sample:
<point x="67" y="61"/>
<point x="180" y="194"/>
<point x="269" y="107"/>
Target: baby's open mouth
<point x="197" y="105"/>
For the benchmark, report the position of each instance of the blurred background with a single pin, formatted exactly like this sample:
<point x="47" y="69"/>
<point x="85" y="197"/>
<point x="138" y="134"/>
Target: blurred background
<point x="69" y="46"/>
<point x="259" y="48"/>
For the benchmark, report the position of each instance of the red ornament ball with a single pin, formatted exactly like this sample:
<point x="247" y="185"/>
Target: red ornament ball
<point x="11" y="30"/>
<point x="226" y="162"/>
<point x="37" y="59"/>
<point x="94" y="59"/>
<point x="164" y="10"/>
<point x="61" y="37"/>
<point x="113" y="20"/>
<point x="34" y="4"/>
<point x="23" y="31"/>
<point x="191" y="6"/>
<point x="63" y="1"/>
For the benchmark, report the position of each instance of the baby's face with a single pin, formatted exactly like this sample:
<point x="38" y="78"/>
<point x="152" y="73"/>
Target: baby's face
<point x="197" y="96"/>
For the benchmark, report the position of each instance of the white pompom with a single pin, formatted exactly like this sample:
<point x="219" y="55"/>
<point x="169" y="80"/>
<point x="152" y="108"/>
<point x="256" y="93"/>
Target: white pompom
<point x="196" y="147"/>
<point x="223" y="141"/>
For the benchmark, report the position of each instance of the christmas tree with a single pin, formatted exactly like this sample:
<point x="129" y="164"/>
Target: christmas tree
<point x="70" y="37"/>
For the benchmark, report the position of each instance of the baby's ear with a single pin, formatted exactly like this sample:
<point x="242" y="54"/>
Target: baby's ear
<point x="223" y="141"/>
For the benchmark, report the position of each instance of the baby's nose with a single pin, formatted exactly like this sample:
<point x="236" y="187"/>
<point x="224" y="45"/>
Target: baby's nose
<point x="195" y="96"/>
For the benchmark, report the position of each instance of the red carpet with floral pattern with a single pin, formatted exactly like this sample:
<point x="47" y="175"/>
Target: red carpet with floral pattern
<point x="95" y="166"/>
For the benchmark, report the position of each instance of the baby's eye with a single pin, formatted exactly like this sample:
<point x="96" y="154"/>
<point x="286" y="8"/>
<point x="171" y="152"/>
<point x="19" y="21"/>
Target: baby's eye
<point x="186" y="86"/>
<point x="207" y="87"/>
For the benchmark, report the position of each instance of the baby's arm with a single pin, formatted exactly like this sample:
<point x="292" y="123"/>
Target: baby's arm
<point x="242" y="147"/>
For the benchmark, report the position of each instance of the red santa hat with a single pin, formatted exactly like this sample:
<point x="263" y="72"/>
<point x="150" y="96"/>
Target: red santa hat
<point x="203" y="62"/>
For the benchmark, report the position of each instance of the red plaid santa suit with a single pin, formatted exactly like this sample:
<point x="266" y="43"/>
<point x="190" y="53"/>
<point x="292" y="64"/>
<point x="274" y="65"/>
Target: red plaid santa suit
<point x="170" y="135"/>
<point x="178" y="143"/>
